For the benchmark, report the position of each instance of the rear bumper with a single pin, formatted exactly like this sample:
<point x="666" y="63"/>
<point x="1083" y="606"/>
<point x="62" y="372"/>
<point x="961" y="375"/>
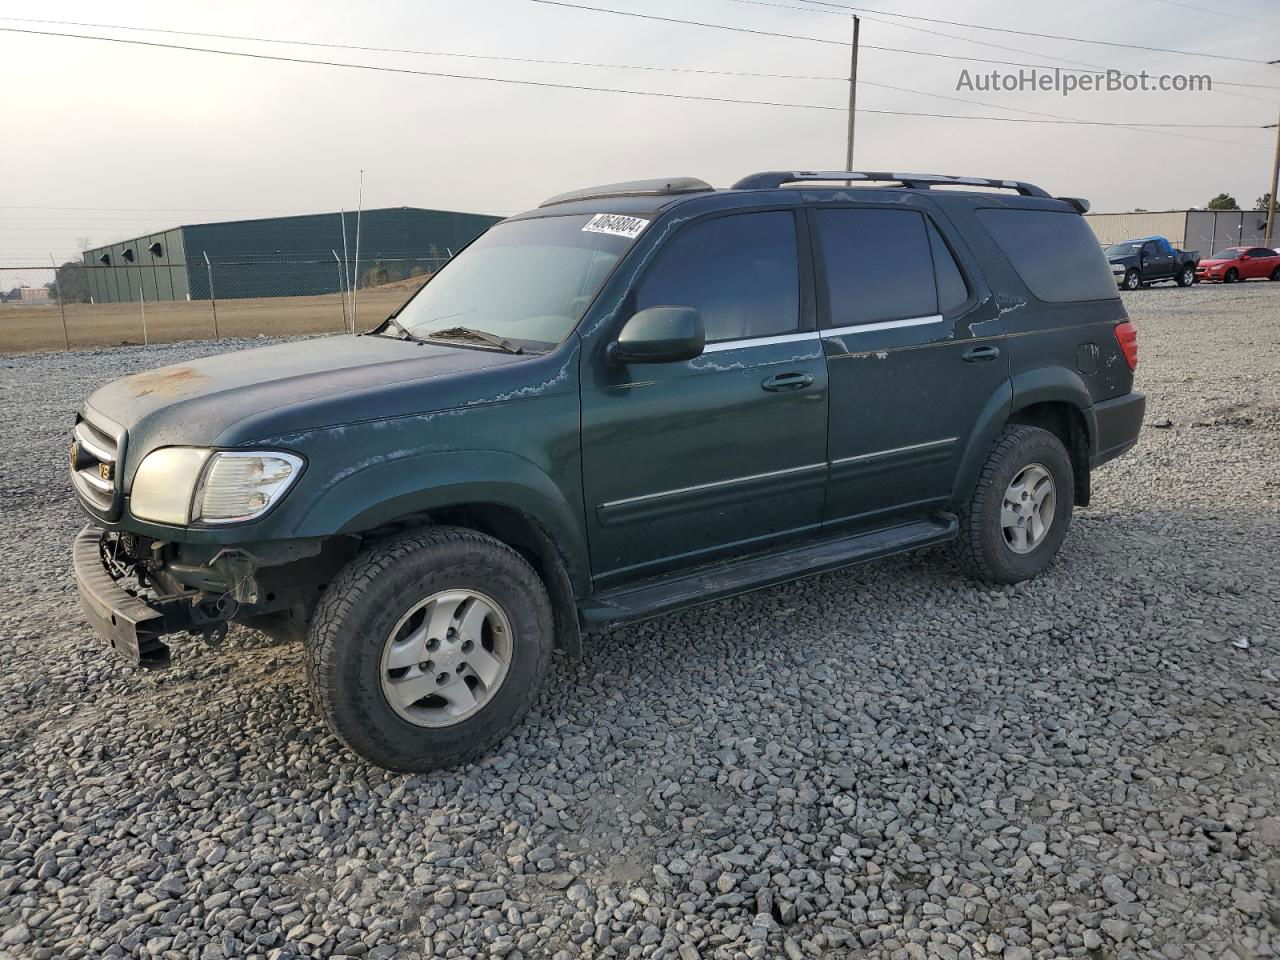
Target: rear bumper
<point x="132" y="626"/>
<point x="1119" y="421"/>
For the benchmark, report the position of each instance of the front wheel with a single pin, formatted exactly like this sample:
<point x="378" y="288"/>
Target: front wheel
<point x="1231" y="276"/>
<point x="1275" y="274"/>
<point x="1186" y="277"/>
<point x="1132" y="280"/>
<point x="1017" y="517"/>
<point x="429" y="648"/>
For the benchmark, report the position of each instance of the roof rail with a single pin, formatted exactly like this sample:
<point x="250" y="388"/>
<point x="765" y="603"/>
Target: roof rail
<point x="776" y="178"/>
<point x="663" y="186"/>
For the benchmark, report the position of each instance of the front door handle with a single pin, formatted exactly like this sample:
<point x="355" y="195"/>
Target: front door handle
<point x="981" y="354"/>
<point x="787" y="381"/>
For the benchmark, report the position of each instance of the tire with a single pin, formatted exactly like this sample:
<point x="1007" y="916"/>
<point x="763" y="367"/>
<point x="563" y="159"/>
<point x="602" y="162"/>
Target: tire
<point x="1186" y="277"/>
<point x="375" y="599"/>
<point x="1275" y="274"/>
<point x="1231" y="276"/>
<point x="1132" y="280"/>
<point x="983" y="548"/>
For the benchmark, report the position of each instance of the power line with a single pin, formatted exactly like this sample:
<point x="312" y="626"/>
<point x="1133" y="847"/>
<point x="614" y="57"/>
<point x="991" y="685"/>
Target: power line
<point x="693" y="23"/>
<point x="1026" y="33"/>
<point x="905" y="26"/>
<point x="1084" y="68"/>
<point x="619" y="90"/>
<point x="1214" y="13"/>
<point x="865" y="46"/>
<point x="433" y="53"/>
<point x="579" y="63"/>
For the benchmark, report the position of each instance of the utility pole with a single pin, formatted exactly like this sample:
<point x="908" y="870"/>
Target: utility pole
<point x="853" y="94"/>
<point x="1275" y="181"/>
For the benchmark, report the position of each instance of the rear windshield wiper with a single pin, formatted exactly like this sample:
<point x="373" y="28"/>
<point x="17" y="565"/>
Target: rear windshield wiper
<point x="470" y="333"/>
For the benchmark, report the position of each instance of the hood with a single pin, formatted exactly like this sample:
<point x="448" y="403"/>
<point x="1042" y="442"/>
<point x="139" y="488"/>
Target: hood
<point x="1217" y="263"/>
<point x="237" y="398"/>
<point x="1127" y="258"/>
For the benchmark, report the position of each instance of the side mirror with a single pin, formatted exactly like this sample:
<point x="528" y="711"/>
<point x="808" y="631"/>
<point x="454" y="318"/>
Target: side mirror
<point x="1245" y="256"/>
<point x="659" y="335"/>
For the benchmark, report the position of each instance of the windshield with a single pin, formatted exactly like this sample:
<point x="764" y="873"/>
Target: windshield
<point x="1123" y="249"/>
<point x="527" y="281"/>
<point x="1228" y="254"/>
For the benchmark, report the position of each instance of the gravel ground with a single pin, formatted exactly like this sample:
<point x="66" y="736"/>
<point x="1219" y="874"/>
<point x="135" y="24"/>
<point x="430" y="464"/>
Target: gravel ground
<point x="885" y="762"/>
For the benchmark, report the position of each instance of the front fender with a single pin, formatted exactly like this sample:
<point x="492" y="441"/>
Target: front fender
<point x="397" y="485"/>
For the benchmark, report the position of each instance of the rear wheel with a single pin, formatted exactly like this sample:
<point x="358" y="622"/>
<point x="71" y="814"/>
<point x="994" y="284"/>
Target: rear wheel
<point x="1018" y="515"/>
<point x="1231" y="276"/>
<point x="1132" y="280"/>
<point x="1275" y="274"/>
<point x="1186" y="276"/>
<point x="429" y="648"/>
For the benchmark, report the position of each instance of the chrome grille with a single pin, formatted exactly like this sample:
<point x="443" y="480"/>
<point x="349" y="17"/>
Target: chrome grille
<point x="95" y="473"/>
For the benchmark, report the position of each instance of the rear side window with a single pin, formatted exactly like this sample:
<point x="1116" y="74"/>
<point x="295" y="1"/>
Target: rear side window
<point x="878" y="265"/>
<point x="1262" y="252"/>
<point x="1056" y="254"/>
<point x="739" y="272"/>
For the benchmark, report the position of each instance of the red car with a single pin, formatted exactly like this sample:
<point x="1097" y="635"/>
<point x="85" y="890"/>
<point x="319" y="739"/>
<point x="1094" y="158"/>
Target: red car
<point x="1240" y="263"/>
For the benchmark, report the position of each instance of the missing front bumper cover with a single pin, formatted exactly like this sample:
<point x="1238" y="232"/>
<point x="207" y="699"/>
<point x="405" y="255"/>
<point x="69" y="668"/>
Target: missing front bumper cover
<point x="131" y="624"/>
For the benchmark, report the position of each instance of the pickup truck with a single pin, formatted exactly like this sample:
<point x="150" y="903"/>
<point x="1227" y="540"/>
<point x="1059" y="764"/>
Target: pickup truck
<point x="1136" y="263"/>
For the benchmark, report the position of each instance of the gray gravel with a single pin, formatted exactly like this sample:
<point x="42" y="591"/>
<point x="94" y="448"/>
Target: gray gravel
<point x="885" y="762"/>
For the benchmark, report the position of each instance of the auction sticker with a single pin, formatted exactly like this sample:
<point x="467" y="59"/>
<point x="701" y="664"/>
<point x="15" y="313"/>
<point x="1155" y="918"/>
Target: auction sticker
<point x="616" y="224"/>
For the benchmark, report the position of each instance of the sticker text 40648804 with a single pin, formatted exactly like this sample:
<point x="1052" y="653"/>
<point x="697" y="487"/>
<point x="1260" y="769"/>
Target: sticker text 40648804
<point x="616" y="224"/>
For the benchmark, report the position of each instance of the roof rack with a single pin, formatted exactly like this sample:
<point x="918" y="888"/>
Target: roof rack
<point x="664" y="186"/>
<point x="773" y="179"/>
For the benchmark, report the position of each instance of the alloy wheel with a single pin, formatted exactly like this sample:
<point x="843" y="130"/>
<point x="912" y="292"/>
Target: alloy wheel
<point x="1028" y="508"/>
<point x="446" y="658"/>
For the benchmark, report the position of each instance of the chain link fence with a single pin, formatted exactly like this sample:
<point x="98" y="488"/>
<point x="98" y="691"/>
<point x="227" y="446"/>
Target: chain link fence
<point x="77" y="306"/>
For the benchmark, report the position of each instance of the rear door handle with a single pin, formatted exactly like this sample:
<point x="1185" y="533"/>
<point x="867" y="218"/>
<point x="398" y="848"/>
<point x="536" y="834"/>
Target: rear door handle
<point x="787" y="381"/>
<point x="981" y="354"/>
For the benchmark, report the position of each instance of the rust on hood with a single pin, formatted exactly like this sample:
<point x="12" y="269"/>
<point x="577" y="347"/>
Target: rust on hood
<point x="167" y="382"/>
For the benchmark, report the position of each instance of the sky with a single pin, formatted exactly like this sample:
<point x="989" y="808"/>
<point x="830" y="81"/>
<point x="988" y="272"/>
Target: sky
<point x="106" y="141"/>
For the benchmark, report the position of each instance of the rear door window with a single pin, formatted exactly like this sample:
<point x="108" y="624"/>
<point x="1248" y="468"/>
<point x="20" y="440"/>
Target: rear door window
<point x="953" y="292"/>
<point x="1055" y="253"/>
<point x="878" y="265"/>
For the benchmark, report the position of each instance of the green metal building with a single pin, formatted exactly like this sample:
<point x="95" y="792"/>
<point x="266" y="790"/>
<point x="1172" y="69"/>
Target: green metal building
<point x="278" y="256"/>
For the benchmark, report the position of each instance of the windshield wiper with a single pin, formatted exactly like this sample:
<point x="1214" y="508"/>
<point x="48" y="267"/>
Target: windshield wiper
<point x="470" y="333"/>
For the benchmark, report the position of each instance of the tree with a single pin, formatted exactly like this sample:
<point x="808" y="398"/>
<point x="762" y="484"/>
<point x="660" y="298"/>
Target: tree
<point x="74" y="280"/>
<point x="1223" y="201"/>
<point x="1263" y="202"/>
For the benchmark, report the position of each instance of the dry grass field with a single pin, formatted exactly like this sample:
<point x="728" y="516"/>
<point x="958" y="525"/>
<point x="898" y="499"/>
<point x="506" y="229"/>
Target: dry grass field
<point x="29" y="328"/>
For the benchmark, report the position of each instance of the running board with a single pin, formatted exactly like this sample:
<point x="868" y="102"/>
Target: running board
<point x="651" y="598"/>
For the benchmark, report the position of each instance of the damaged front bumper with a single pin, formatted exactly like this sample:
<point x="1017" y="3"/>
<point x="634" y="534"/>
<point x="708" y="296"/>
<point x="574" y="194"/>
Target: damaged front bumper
<point x="136" y="590"/>
<point x="131" y="624"/>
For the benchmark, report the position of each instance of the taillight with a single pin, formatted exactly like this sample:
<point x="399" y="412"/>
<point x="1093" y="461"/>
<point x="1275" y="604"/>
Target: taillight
<point x="1127" y="337"/>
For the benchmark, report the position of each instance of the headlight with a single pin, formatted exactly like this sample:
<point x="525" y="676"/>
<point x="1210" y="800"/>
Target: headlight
<point x="240" y="486"/>
<point x="163" y="485"/>
<point x="181" y="485"/>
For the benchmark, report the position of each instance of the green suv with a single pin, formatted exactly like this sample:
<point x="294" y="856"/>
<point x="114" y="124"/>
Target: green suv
<point x="632" y="399"/>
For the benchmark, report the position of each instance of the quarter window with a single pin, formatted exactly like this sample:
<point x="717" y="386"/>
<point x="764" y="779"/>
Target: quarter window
<point x="739" y="272"/>
<point x="1055" y="253"/>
